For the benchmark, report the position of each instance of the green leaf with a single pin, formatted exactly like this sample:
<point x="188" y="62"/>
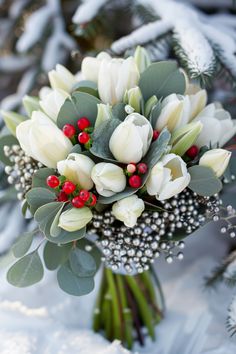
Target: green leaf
<point x="118" y="111"/>
<point x="101" y="138"/>
<point x="156" y="151"/>
<point x="12" y="120"/>
<point x="8" y="140"/>
<point x="22" y="244"/>
<point x="40" y="177"/>
<point x="84" y="243"/>
<point x="31" y="104"/>
<point x="54" y="255"/>
<point x="204" y="181"/>
<point x="26" y="271"/>
<point x="76" y="149"/>
<point x="87" y="86"/>
<point x="55" y="230"/>
<point x="38" y="196"/>
<point x="72" y="284"/>
<point x="6" y="259"/>
<point x="162" y="79"/>
<point x="155" y="112"/>
<point x="45" y="216"/>
<point x="80" y="105"/>
<point x="82" y="263"/>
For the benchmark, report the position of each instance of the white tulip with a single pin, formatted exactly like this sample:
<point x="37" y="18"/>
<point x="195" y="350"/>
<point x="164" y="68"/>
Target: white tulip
<point x="75" y="219"/>
<point x="108" y="178"/>
<point x="218" y="127"/>
<point x="142" y="58"/>
<point x="175" y="112"/>
<point x="104" y="113"/>
<point x="217" y="159"/>
<point x="61" y="78"/>
<point x="198" y="102"/>
<point x="90" y="66"/>
<point x="51" y="103"/>
<point x="77" y="168"/>
<point x="41" y="139"/>
<point x="131" y="140"/>
<point x="115" y="77"/>
<point x="128" y="210"/>
<point x="168" y="177"/>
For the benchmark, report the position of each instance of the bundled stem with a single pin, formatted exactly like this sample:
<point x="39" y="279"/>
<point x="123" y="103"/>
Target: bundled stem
<point x="126" y="305"/>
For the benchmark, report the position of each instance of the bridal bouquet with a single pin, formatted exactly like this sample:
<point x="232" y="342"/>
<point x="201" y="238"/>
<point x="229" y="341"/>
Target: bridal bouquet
<point x="117" y="164"/>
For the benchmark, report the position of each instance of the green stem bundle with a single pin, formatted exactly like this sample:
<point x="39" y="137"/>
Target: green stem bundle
<point x="126" y="305"/>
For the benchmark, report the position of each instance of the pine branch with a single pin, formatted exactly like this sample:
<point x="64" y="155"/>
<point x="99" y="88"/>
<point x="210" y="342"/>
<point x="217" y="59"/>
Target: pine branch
<point x="231" y="319"/>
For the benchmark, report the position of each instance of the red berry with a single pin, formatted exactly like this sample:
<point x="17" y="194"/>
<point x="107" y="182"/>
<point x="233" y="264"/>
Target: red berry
<point x="62" y="197"/>
<point x="84" y="195"/>
<point x="69" y="130"/>
<point x="156" y="134"/>
<point x="77" y="202"/>
<point x="83" y="123"/>
<point x="131" y="167"/>
<point x="83" y="138"/>
<point x="192" y="152"/>
<point x="68" y="187"/>
<point x="53" y="181"/>
<point x="135" y="181"/>
<point x="142" y="168"/>
<point x="93" y="200"/>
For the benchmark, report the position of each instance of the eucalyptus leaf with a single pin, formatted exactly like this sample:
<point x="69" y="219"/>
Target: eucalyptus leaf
<point x="162" y="79"/>
<point x="80" y="104"/>
<point x="101" y="138"/>
<point x="87" y="86"/>
<point x="6" y="260"/>
<point x="54" y="255"/>
<point x="55" y="230"/>
<point x="82" y="263"/>
<point x="36" y="197"/>
<point x="71" y="283"/>
<point x="118" y="111"/>
<point x="155" y="112"/>
<point x="22" y="244"/>
<point x="26" y="271"/>
<point x="45" y="216"/>
<point x="204" y="181"/>
<point x="8" y="140"/>
<point x="76" y="149"/>
<point x="40" y="177"/>
<point x="84" y="243"/>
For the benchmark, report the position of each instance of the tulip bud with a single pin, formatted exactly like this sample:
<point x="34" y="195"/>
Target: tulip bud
<point x="109" y="179"/>
<point x="198" y="102"/>
<point x="128" y="210"/>
<point x="12" y="120"/>
<point x="151" y="102"/>
<point x="104" y="113"/>
<point x="75" y="219"/>
<point x="131" y="140"/>
<point x="142" y="58"/>
<point x="30" y="104"/>
<point x="90" y="66"/>
<point x="183" y="138"/>
<point x="217" y="159"/>
<point x="61" y="78"/>
<point x="168" y="177"/>
<point x="134" y="98"/>
<point x="41" y="139"/>
<point x="174" y="113"/>
<point x="51" y="104"/>
<point x="77" y="168"/>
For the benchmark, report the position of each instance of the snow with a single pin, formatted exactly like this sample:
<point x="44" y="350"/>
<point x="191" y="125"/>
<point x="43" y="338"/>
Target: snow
<point x="87" y="11"/>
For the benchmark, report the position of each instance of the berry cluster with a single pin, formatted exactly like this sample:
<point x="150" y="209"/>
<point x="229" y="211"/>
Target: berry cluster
<point x="134" y="173"/>
<point x="192" y="152"/>
<point x="84" y="126"/>
<point x="69" y="192"/>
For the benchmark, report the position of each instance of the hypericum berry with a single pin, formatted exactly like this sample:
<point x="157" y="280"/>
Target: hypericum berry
<point x="84" y="195"/>
<point x="192" y="152"/>
<point x="142" y="168"/>
<point x="83" y="123"/>
<point x="62" y="197"/>
<point x="83" y="138"/>
<point x="53" y="181"/>
<point x="93" y="200"/>
<point x="131" y="167"/>
<point x="69" y="130"/>
<point x="135" y="181"/>
<point x="155" y="135"/>
<point x="77" y="202"/>
<point x="68" y="187"/>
